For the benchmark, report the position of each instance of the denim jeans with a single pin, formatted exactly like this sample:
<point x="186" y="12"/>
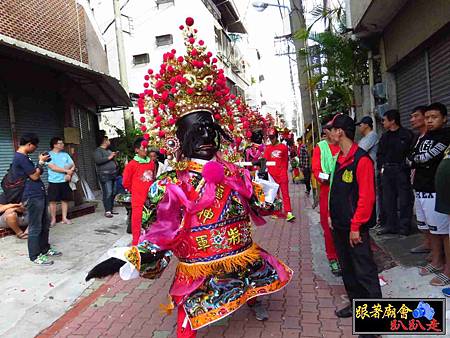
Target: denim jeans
<point x="108" y="194"/>
<point x="38" y="227"/>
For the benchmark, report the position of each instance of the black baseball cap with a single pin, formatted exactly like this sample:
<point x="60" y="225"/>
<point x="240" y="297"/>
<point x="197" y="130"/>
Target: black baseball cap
<point x="366" y="120"/>
<point x="343" y="122"/>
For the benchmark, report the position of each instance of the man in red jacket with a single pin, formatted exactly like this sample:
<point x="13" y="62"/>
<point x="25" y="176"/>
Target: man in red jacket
<point x="138" y="176"/>
<point x="352" y="211"/>
<point x="278" y="152"/>
<point x="322" y="167"/>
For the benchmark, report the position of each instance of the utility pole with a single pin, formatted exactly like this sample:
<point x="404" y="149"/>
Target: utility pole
<point x="297" y="21"/>
<point x="127" y="115"/>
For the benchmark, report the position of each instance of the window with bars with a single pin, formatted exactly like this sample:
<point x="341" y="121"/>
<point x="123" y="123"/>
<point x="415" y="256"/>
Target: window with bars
<point x="164" y="40"/>
<point x="161" y="2"/>
<point x="141" y="59"/>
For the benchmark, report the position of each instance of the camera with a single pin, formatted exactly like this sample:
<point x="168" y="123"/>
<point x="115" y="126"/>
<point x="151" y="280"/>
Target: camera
<point x="49" y="157"/>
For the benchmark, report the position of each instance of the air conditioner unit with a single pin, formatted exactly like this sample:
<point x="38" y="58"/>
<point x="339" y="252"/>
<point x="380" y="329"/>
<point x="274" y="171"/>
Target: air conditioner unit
<point x="379" y="90"/>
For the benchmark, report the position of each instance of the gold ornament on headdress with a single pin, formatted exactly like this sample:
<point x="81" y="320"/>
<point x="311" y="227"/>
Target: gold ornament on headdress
<point x="183" y="85"/>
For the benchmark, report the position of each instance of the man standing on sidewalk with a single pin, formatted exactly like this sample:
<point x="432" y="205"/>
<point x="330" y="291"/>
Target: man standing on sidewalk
<point x="304" y="164"/>
<point x="393" y="149"/>
<point x="279" y="153"/>
<point x="352" y="211"/>
<point x="35" y="199"/>
<point x="322" y="166"/>
<point x="107" y="171"/>
<point x="417" y="120"/>
<point x="369" y="143"/>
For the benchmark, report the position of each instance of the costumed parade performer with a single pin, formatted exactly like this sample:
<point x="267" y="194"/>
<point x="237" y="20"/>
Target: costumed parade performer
<point x="255" y="126"/>
<point x="200" y="212"/>
<point x="279" y="153"/>
<point x="138" y="175"/>
<point x="322" y="166"/>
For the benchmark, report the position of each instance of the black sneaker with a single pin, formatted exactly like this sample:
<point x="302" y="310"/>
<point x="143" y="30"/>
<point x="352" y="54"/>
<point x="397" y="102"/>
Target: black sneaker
<point x="385" y="231"/>
<point x="346" y="312"/>
<point x="260" y="311"/>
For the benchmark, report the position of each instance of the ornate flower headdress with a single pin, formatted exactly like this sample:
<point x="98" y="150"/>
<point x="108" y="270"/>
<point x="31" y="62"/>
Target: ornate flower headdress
<point x="183" y="85"/>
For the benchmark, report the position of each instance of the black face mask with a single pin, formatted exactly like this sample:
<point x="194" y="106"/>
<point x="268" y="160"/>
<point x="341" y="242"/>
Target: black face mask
<point x="257" y="136"/>
<point x="199" y="135"/>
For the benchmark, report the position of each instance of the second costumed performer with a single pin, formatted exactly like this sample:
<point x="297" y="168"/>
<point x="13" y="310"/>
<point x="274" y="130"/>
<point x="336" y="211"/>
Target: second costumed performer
<point x="200" y="212"/>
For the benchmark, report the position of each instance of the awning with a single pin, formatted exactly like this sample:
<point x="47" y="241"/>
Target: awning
<point x="229" y="16"/>
<point x="106" y="91"/>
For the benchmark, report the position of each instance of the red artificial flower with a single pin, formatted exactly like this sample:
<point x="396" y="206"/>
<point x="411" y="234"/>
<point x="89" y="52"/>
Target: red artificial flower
<point x="181" y="27"/>
<point x="158" y="118"/>
<point x="201" y="42"/>
<point x="162" y="133"/>
<point x="191" y="41"/>
<point x="209" y="88"/>
<point x="155" y="111"/>
<point x="141" y="110"/>
<point x="173" y="90"/>
<point x="150" y="71"/>
<point x="170" y="69"/>
<point x="173" y="51"/>
<point x="180" y="59"/>
<point x="217" y="116"/>
<point x="209" y="54"/>
<point x="146" y="136"/>
<point x="231" y="127"/>
<point x="146" y="85"/>
<point x="165" y="95"/>
<point x="172" y="121"/>
<point x="159" y="84"/>
<point x="143" y="129"/>
<point x="162" y="106"/>
<point x="142" y="119"/>
<point x="189" y="21"/>
<point x="144" y="143"/>
<point x="190" y="91"/>
<point x="248" y="134"/>
<point x="194" y="52"/>
<point x="232" y="96"/>
<point x="195" y="30"/>
<point x="156" y="96"/>
<point x="162" y="151"/>
<point x="171" y="104"/>
<point x="214" y="60"/>
<point x="146" y="77"/>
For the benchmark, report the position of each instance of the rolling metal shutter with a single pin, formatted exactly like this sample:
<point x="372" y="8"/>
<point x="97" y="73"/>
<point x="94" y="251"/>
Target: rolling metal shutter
<point x="40" y="113"/>
<point x="87" y="122"/>
<point x="412" y="91"/>
<point x="6" y="144"/>
<point x="439" y="59"/>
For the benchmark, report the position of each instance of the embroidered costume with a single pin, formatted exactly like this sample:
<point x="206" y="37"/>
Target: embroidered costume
<point x="202" y="211"/>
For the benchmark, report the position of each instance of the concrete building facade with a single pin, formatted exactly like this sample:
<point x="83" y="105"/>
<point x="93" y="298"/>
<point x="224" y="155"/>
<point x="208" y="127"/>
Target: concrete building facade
<point x="411" y="40"/>
<point x="151" y="28"/>
<point x="53" y="79"/>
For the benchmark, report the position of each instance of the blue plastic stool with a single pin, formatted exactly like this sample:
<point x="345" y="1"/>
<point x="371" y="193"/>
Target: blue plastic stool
<point x="446" y="292"/>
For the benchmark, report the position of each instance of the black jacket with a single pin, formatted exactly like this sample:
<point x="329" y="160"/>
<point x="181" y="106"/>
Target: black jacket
<point x="426" y="156"/>
<point x="394" y="147"/>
